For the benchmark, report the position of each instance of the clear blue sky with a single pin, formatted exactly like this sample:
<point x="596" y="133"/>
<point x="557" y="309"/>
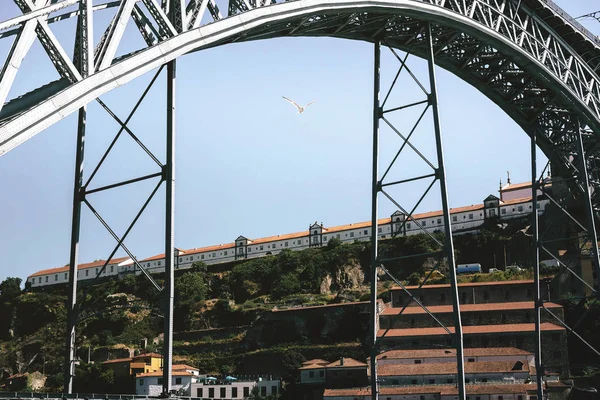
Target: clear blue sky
<point x="247" y="163"/>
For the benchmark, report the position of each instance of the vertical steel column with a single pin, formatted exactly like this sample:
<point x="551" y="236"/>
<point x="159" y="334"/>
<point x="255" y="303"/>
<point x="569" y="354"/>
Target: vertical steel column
<point x="449" y="243"/>
<point x="84" y="50"/>
<point x="74" y="254"/>
<point x="169" y="174"/>
<point x="374" y="228"/>
<point x="536" y="268"/>
<point x="592" y="236"/>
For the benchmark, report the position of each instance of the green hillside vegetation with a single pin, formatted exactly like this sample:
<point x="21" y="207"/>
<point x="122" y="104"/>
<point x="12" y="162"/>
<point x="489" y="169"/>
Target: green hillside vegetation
<point x="120" y="313"/>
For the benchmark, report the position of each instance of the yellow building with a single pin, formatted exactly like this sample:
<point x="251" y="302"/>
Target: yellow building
<point x="141" y="364"/>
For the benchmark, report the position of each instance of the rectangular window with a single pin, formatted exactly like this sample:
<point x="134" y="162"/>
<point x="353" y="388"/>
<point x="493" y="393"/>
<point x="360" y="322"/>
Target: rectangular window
<point x="249" y="249"/>
<point x="500" y="398"/>
<point x="66" y="275"/>
<point x="351" y="234"/>
<point x="417" y="361"/>
<point x="261" y="247"/>
<point x="141" y="382"/>
<point x="55" y="277"/>
<point x="520" y="208"/>
<point x="439" y="221"/>
<point x="40" y="280"/>
<point x="311" y="374"/>
<point x="211" y="393"/>
<point x="233" y="392"/>
<point x="454" y="218"/>
<point x="408" y="225"/>
<point x="432" y="381"/>
<point x="214" y="255"/>
<point x="199" y="392"/>
<point x="202" y="256"/>
<point x="503" y="211"/>
<point x="160" y="381"/>
<point x="96" y="271"/>
<point x="273" y="389"/>
<point x="286" y="244"/>
<point x="223" y="395"/>
<point x="263" y="391"/>
<point x="159" y="263"/>
<point x="470" y="216"/>
<point x="492" y="213"/>
<point x="324" y="238"/>
<point x="178" y="381"/>
<point x="414" y="381"/>
<point x="424" y="223"/>
<point x="379" y="230"/>
<point x="470" y="360"/>
<point x="225" y="252"/>
<point x="246" y="391"/>
<point x="87" y="272"/>
<point x="112" y="269"/>
<point x="365" y="232"/>
<point x="321" y="374"/>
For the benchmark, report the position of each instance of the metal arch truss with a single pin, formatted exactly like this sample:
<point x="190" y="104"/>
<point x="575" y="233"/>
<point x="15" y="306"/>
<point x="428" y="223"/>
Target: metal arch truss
<point x="82" y="194"/>
<point x="510" y="50"/>
<point x="383" y="181"/>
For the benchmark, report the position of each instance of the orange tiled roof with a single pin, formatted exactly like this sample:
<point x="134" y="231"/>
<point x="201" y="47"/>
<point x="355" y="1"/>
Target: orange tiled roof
<point x="468" y="284"/>
<point x="179" y="367"/>
<point x="315" y="361"/>
<point x="465" y="308"/>
<point x="313" y="366"/>
<point x="509" y="187"/>
<point x="441" y="389"/>
<point x="348" y="363"/>
<point x="448" y="368"/>
<point x="450" y="353"/>
<point x="225" y="246"/>
<point x="516" y="201"/>
<point x="467" y="330"/>
<point x="159" y="373"/>
<point x="79" y="267"/>
<point x="117" y="360"/>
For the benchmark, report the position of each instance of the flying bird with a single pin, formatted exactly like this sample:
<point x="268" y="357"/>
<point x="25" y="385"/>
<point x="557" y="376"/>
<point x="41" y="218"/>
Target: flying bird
<point x="300" y="108"/>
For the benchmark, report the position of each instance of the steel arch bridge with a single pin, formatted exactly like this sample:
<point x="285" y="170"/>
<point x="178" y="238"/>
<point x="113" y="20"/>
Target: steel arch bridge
<point x="528" y="56"/>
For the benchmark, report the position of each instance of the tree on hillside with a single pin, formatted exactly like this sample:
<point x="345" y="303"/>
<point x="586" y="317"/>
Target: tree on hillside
<point x="10" y="289"/>
<point x="190" y="291"/>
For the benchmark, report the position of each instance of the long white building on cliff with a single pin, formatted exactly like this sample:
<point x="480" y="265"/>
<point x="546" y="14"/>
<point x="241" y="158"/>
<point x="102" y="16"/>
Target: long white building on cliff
<point x="514" y="202"/>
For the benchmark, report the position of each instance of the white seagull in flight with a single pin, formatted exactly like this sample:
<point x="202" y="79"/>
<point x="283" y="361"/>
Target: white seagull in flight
<point x="300" y="108"/>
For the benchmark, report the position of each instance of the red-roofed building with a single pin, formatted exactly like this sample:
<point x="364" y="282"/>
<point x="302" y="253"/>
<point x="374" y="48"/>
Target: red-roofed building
<point x="345" y="372"/>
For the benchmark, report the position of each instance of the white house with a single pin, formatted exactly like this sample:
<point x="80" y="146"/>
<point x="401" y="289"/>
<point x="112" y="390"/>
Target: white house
<point x="514" y="202"/>
<point x="150" y="383"/>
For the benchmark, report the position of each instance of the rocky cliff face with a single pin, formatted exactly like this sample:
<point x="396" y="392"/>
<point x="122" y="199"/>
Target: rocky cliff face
<point x="348" y="276"/>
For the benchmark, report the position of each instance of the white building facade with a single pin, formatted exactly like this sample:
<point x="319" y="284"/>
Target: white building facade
<point x="464" y="219"/>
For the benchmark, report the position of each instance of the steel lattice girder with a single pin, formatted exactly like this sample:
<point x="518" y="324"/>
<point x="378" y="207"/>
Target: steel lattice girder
<point x="527" y="58"/>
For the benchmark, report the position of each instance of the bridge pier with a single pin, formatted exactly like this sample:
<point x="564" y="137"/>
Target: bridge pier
<point x="381" y="185"/>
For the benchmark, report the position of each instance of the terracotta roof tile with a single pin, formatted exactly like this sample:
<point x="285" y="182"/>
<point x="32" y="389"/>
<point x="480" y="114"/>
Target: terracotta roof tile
<point x="179" y="367"/>
<point x="467" y="330"/>
<point x="441" y="389"/>
<point x="312" y="366"/>
<point x="516" y="201"/>
<point x="159" y="373"/>
<point x="451" y="353"/>
<point x="465" y="308"/>
<point x="66" y="268"/>
<point x="315" y="361"/>
<point x="448" y="368"/>
<point x="348" y="363"/>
